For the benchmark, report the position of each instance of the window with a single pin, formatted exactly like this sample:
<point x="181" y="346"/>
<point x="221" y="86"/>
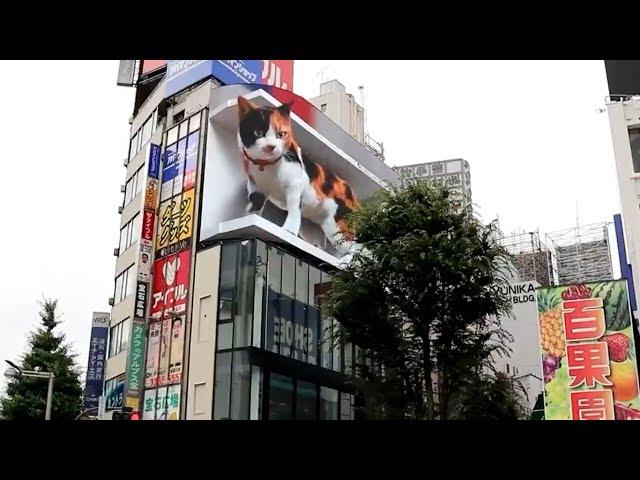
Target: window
<point x="280" y="397"/>
<point x="130" y="232"/>
<point x="240" y="386"/>
<point x="143" y="134"/>
<point x="133" y="186"/>
<point x="634" y="140"/>
<point x="328" y="404"/>
<point x="347" y="407"/>
<point x="306" y="400"/>
<point x="323" y="107"/>
<point x="125" y="284"/>
<point x="119" y="337"/>
<point x="222" y="387"/>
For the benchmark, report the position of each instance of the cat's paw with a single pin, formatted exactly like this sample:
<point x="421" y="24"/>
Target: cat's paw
<point x="292" y="230"/>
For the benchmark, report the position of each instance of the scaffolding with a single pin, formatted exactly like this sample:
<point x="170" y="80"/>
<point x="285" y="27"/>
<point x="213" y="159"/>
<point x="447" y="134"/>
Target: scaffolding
<point x="582" y="253"/>
<point x="533" y="260"/>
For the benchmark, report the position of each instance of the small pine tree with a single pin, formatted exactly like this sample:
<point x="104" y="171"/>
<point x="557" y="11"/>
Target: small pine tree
<point x="26" y="397"/>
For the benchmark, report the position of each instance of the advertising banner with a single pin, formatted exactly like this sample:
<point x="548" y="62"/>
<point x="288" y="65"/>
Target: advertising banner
<point x="191" y="160"/>
<point x="135" y="361"/>
<point x="115" y="393"/>
<point x="163" y="365"/>
<point x="173" y="402"/>
<point x="170" y="284"/>
<point x="153" y="355"/>
<point x="175" y="224"/>
<point x="149" y="405"/>
<point x="142" y="290"/>
<point x="177" y="350"/>
<point x="237" y="182"/>
<point x="97" y="358"/>
<point x="184" y="73"/>
<point x="588" y="352"/>
<point x="161" y="404"/>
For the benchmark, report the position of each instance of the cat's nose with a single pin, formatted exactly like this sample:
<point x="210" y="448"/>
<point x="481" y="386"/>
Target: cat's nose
<point x="268" y="148"/>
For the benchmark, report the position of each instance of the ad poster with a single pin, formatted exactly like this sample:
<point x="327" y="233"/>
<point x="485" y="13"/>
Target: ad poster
<point x="163" y="366"/>
<point x="177" y="350"/>
<point x="136" y="359"/>
<point x="149" y="405"/>
<point x="173" y="402"/>
<point x="153" y="355"/>
<point x="115" y="393"/>
<point x="175" y="224"/>
<point x="97" y="358"/>
<point x="588" y="352"/>
<point x="237" y="190"/>
<point x="161" y="404"/>
<point x="170" y="284"/>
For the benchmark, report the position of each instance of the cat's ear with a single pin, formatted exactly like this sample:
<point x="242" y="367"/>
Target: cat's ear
<point x="244" y="106"/>
<point x="285" y="109"/>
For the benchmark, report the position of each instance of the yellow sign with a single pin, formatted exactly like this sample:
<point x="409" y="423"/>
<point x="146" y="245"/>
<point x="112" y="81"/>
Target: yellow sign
<point x="175" y="221"/>
<point x="132" y="402"/>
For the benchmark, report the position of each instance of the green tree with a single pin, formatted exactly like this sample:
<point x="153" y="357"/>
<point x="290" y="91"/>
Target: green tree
<point x="26" y="397"/>
<point x="422" y="297"/>
<point x="492" y="397"/>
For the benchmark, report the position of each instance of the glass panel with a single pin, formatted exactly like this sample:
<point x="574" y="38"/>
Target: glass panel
<point x="124" y="342"/>
<point x="146" y="130"/>
<point x="131" y="281"/>
<point x="313" y="316"/>
<point x="112" y="341"/>
<point x="227" y="281"/>
<point x="154" y="121"/>
<point x="139" y="181"/>
<point x="280" y="397"/>
<point x="172" y="136"/>
<point x="348" y="359"/>
<point x="136" y="229"/>
<point x="328" y="404"/>
<point x="118" y="290"/>
<point x="346" y="406"/>
<point x="123" y="238"/>
<point x="194" y="122"/>
<point x="240" y="386"/>
<point x="634" y="140"/>
<point x="306" y="401"/>
<point x="300" y="311"/>
<point x="273" y="299"/>
<point x="259" y="296"/>
<point x="225" y="335"/>
<point x="256" y="393"/>
<point x="286" y="305"/>
<point x="245" y="277"/>
<point x="337" y="346"/>
<point x="222" y="386"/>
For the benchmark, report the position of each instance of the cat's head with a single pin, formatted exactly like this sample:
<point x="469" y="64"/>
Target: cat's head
<point x="265" y="132"/>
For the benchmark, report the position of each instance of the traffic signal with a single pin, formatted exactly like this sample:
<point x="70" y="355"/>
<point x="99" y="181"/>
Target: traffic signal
<point x="127" y="413"/>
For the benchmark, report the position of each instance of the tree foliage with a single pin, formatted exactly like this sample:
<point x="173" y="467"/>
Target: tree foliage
<point x="422" y="297"/>
<point x="26" y="397"/>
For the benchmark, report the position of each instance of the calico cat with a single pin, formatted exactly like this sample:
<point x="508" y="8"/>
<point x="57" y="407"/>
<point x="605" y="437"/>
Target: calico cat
<point x="276" y="172"/>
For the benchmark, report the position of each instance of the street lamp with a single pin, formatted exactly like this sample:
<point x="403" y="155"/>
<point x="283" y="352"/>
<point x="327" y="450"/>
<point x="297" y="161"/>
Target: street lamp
<point x="14" y="371"/>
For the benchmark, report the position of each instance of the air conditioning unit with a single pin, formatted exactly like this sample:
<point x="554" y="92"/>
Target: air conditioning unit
<point x="123" y="188"/>
<point x="120" y="209"/>
<point x="116" y="252"/>
<point x="112" y="301"/>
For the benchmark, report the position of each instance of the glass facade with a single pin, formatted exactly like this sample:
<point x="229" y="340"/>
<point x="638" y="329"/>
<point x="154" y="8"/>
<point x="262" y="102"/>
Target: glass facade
<point x="276" y="357"/>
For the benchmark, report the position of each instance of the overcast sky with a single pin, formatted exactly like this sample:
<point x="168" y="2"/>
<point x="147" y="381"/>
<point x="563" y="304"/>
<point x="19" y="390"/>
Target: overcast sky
<point x="539" y="153"/>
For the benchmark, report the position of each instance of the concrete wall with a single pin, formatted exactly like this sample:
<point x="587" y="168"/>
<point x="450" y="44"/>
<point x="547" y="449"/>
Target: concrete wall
<point x="203" y="335"/>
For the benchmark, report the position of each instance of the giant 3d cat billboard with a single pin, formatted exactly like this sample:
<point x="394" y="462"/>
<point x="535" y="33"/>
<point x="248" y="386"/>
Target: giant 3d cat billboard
<point x="272" y="156"/>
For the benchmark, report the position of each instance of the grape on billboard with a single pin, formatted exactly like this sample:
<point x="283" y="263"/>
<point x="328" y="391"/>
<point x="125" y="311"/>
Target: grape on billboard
<point x="588" y="352"/>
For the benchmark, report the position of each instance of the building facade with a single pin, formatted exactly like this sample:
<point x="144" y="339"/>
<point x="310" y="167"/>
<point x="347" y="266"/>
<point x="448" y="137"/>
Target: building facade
<point x="454" y="174"/>
<point x="624" y="120"/>
<point x="217" y="312"/>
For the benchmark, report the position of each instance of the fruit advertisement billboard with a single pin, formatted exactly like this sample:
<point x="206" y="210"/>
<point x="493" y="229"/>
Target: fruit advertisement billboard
<point x="588" y="352"/>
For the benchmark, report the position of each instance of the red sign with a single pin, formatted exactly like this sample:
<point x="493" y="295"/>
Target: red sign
<point x="148" y="220"/>
<point x="150" y="65"/>
<point x="170" y="284"/>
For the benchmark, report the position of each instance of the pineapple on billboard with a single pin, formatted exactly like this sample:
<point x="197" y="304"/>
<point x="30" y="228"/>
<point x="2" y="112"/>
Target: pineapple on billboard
<point x="588" y="352"/>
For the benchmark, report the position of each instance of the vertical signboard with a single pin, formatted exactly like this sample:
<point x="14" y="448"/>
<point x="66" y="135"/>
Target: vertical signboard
<point x="588" y="352"/>
<point x="97" y="356"/>
<point x="136" y="361"/>
<point x="153" y="355"/>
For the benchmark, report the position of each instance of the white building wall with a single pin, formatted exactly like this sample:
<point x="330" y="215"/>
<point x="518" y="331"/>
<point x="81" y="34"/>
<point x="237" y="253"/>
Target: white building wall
<point x="622" y="116"/>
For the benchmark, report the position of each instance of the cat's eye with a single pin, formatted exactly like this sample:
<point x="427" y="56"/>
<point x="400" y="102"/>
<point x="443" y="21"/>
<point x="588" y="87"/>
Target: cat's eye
<point x="281" y="134"/>
<point x="258" y="133"/>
